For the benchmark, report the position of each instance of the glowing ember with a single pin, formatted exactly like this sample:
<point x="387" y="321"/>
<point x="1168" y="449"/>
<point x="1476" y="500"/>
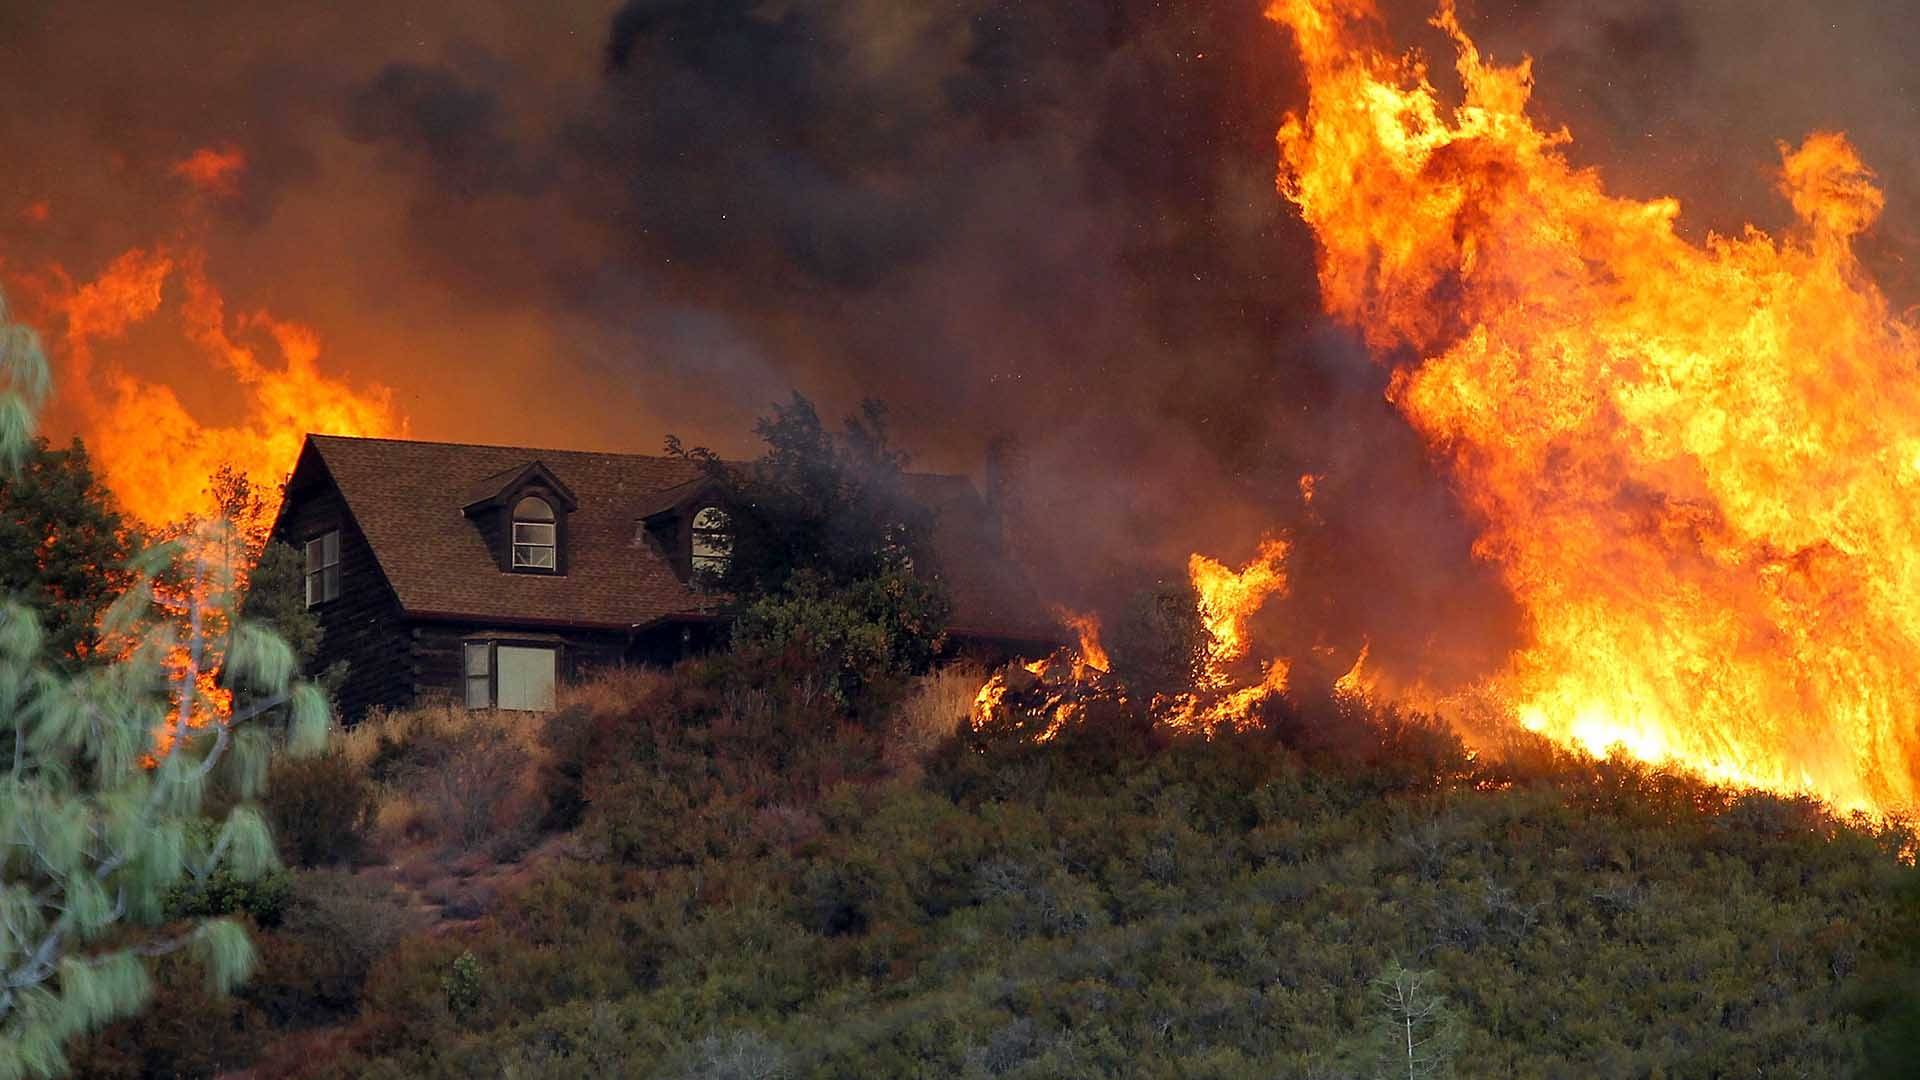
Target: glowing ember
<point x="1697" y="466"/>
<point x="1049" y="688"/>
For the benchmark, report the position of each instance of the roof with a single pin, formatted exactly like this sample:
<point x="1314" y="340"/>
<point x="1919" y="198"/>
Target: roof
<point x="408" y="499"/>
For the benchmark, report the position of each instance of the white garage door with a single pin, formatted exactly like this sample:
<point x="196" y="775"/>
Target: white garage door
<point x="526" y="677"/>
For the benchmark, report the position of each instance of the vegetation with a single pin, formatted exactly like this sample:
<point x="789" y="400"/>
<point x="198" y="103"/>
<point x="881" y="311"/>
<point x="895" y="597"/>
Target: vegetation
<point x="750" y="884"/>
<point x="829" y="561"/>
<point x="107" y="860"/>
<point x="64" y="548"/>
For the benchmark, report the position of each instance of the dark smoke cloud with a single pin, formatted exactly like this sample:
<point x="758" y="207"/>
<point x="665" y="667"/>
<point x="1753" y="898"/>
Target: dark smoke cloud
<point x="594" y="223"/>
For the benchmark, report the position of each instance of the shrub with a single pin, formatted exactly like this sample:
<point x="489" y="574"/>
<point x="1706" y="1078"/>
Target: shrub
<point x="336" y="926"/>
<point x="322" y="809"/>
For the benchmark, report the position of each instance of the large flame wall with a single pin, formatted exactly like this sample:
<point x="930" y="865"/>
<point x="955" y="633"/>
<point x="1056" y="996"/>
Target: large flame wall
<point x="1696" y="465"/>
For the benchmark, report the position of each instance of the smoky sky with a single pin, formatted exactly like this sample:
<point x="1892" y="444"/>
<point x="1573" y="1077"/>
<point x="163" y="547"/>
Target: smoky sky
<point x="1052" y="225"/>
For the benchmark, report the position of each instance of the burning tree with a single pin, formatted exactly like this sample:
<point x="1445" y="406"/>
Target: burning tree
<point x="105" y="778"/>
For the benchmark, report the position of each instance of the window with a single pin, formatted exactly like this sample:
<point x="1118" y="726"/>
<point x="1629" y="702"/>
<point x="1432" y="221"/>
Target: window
<point x="526" y="677"/>
<point x="711" y="543"/>
<point x="479" y="675"/>
<point x="323" y="568"/>
<point x="536" y="537"/>
<point x="510" y="676"/>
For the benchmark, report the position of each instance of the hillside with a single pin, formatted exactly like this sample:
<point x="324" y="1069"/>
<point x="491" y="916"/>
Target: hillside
<point x="712" y="874"/>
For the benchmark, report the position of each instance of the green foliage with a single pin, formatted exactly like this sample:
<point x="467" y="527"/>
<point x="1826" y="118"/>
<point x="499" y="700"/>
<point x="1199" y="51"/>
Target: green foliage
<point x="1165" y="906"/>
<point x="833" y="506"/>
<point x="99" y="821"/>
<point x="462" y="986"/>
<point x="1159" y="644"/>
<point x="860" y="635"/>
<point x="262" y="896"/>
<point x="830" y="559"/>
<point x="276" y="599"/>
<point x="63" y="546"/>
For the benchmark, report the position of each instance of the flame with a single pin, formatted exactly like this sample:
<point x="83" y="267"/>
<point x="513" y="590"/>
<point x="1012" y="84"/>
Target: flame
<point x="1697" y="465"/>
<point x="1058" y="681"/>
<point x="155" y="455"/>
<point x="213" y="171"/>
<point x="1088" y="652"/>
<point x="1228" y="598"/>
<point x="1357" y="682"/>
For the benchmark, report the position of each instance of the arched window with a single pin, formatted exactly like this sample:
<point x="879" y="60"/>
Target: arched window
<point x="711" y="542"/>
<point x="536" y="540"/>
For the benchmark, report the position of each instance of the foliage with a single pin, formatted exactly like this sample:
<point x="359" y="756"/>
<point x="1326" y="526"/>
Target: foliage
<point x="764" y="898"/>
<point x="105" y="783"/>
<point x="872" y="630"/>
<point x="1159" y="644"/>
<point x="63" y="546"/>
<point x="322" y="809"/>
<point x="835" y="507"/>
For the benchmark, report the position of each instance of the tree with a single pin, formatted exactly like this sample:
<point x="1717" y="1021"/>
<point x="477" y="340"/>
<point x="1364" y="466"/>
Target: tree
<point x="828" y="554"/>
<point x="63" y="545"/>
<point x="1419" y="1031"/>
<point x="105" y="770"/>
<point x="833" y="506"/>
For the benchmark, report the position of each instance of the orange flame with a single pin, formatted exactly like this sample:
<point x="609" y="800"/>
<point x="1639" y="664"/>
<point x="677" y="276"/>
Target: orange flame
<point x="214" y="171"/>
<point x="1229" y="598"/>
<point x="1088" y="652"/>
<point x="153" y="453"/>
<point x="1697" y="465"/>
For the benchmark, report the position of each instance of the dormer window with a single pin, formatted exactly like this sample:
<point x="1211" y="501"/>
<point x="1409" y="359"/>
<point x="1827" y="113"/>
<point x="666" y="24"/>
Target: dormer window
<point x="536" y="536"/>
<point x="712" y="543"/>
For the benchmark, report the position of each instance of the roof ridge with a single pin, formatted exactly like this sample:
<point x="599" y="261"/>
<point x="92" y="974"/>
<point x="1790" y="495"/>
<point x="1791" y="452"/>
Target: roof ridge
<point x="485" y="446"/>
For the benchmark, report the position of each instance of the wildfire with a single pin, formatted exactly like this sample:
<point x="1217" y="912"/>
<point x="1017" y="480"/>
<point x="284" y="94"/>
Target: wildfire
<point x="152" y="452"/>
<point x="213" y="170"/>
<point x="1696" y="465"/>
<point x="1050" y="688"/>
<point x="1228" y="598"/>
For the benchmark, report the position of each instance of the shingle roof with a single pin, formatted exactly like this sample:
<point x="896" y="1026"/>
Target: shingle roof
<point x="408" y="496"/>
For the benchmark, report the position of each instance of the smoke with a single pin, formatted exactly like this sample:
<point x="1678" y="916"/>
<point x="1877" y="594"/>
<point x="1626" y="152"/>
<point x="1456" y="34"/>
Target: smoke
<point x="595" y="223"/>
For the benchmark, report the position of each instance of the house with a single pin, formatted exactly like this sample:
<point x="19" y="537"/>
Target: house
<point x="490" y="574"/>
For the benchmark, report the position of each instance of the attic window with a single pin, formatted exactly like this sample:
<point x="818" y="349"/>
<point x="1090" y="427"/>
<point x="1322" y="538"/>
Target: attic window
<point x="535" y="535"/>
<point x="711" y="542"/>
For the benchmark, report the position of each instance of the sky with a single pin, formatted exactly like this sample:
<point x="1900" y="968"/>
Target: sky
<point x="588" y="223"/>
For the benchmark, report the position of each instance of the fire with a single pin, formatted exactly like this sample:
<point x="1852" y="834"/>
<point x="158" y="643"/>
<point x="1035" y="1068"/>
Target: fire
<point x="1229" y="598"/>
<point x="1051" y="687"/>
<point x="1088" y="652"/>
<point x="214" y="171"/>
<point x="152" y="452"/>
<point x="1697" y="465"/>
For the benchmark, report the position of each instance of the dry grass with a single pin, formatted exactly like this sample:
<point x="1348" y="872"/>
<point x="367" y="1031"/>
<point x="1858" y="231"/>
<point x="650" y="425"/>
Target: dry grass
<point x="449" y="723"/>
<point x="938" y="707"/>
<point x="613" y="691"/>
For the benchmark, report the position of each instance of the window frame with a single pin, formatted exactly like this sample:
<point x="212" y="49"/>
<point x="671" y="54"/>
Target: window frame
<point x="323" y="571"/>
<point x="516" y="522"/>
<point x="489" y="648"/>
<point x="709" y="564"/>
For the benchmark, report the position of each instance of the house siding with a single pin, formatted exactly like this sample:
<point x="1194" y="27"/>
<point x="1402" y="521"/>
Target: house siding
<point x="362" y="626"/>
<point x="436" y="652"/>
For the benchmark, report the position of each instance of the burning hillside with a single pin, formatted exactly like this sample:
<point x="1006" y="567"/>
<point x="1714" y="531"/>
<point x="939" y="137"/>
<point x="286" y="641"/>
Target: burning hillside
<point x="1697" y="466"/>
